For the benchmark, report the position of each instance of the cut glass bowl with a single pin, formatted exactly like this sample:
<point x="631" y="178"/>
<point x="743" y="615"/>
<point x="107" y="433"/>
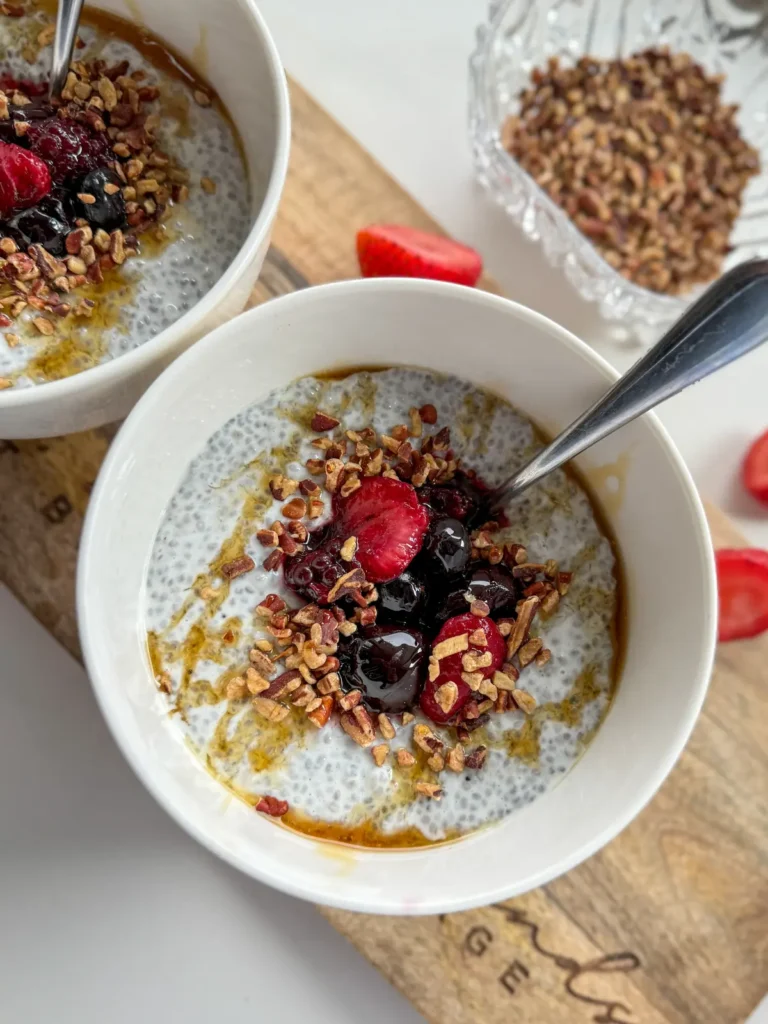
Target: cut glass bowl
<point x="725" y="36"/>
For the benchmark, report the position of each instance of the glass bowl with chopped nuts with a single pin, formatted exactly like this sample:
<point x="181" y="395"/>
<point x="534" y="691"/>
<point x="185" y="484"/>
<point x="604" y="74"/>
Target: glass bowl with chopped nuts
<point x="629" y="140"/>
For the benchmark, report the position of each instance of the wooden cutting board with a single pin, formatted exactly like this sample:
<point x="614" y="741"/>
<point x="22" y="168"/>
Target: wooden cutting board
<point x="669" y="924"/>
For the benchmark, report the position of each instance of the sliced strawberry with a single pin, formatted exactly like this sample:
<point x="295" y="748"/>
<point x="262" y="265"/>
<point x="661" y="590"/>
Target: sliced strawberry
<point x="742" y="586"/>
<point x="393" y="250"/>
<point x="754" y="472"/>
<point x="24" y="178"/>
<point x="389" y="523"/>
<point x="451" y="667"/>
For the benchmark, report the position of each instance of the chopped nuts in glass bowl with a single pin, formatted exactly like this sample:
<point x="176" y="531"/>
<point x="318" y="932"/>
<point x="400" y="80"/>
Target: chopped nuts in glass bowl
<point x="659" y="181"/>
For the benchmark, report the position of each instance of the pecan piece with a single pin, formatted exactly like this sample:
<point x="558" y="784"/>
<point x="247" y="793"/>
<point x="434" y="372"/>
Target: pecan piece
<point x="358" y="725"/>
<point x="320" y="714"/>
<point x="476" y="758"/>
<point x="237" y="567"/>
<point x="321" y="422"/>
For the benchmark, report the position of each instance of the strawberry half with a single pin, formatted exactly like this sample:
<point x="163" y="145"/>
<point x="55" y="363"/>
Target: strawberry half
<point x="24" y="178"/>
<point x="389" y="523"/>
<point x="754" y="472"/>
<point x="742" y="586"/>
<point x="451" y="667"/>
<point x="393" y="250"/>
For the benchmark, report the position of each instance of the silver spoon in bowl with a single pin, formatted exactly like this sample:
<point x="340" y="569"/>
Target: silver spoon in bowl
<point x="726" y="322"/>
<point x="67" y="20"/>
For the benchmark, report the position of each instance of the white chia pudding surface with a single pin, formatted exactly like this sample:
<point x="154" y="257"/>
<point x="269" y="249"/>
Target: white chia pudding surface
<point x="326" y="778"/>
<point x="203" y="234"/>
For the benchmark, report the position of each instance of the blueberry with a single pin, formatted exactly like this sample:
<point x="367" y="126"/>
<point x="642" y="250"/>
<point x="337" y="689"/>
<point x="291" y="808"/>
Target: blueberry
<point x="108" y="212"/>
<point x="388" y="664"/>
<point x="403" y="600"/>
<point x="47" y="223"/>
<point x="446" y="548"/>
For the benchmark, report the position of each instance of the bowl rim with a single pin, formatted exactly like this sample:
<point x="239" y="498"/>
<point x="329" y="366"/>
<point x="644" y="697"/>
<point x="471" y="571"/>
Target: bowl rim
<point x="155" y="348"/>
<point x="107" y="695"/>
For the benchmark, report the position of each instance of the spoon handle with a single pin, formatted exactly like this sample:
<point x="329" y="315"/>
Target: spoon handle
<point x="67" y="20"/>
<point x="729" y="320"/>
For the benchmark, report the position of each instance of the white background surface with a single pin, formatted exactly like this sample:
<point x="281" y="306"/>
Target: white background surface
<point x="108" y="911"/>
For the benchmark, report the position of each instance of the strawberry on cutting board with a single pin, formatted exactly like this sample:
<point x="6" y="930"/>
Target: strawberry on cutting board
<point x="754" y="472"/>
<point x="742" y="587"/>
<point x="394" y="250"/>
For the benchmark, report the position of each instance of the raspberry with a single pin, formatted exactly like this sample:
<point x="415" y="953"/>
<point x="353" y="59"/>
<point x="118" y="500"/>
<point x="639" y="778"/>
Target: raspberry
<point x="24" y="179"/>
<point x="69" y="148"/>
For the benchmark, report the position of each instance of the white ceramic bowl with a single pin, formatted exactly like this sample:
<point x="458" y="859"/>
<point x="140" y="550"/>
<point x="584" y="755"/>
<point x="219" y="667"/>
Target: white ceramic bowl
<point x="241" y="62"/>
<point x="550" y="375"/>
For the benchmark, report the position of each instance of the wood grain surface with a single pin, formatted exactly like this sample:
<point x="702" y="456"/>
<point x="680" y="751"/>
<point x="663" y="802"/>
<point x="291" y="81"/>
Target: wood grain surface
<point x="670" y="922"/>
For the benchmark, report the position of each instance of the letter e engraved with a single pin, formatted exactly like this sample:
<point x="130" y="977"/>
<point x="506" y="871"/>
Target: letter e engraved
<point x="513" y="975"/>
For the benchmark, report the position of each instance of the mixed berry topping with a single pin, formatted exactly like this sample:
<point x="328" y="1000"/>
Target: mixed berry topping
<point x="81" y="178"/>
<point x="416" y="607"/>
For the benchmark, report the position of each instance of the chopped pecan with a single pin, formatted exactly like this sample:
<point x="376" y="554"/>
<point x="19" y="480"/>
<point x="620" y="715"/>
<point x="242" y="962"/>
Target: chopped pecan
<point x="529" y="650"/>
<point x="379" y="753"/>
<point x="260" y="661"/>
<point x="386" y="728"/>
<point x="270" y="709"/>
<point x="319" y="715"/>
<point x="446" y="696"/>
<point x="333" y="471"/>
<point x="428" y="414"/>
<point x="451" y="645"/>
<point x="455" y="758"/>
<point x="349" y="700"/>
<point x="524" y="700"/>
<point x="428" y="789"/>
<point x="480" y="608"/>
<point x="282" y="487"/>
<point x="543" y="657"/>
<point x="476" y="758"/>
<point x="267" y="537"/>
<point x="358" y="725"/>
<point x="274" y="560"/>
<point x="236" y="688"/>
<point x="526" y="611"/>
<point x="237" y="567"/>
<point x="346" y="585"/>
<point x="405" y="758"/>
<point x="285" y="683"/>
<point x="321" y="422"/>
<point x="425" y="739"/>
<point x="328" y="684"/>
<point x="563" y="582"/>
<point x="296" y="508"/>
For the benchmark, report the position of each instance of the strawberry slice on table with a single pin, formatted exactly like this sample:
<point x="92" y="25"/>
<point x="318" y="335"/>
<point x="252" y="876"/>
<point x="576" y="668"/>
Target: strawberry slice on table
<point x="394" y="250"/>
<point x="389" y="523"/>
<point x="452" y="665"/>
<point x="754" y="472"/>
<point x="742" y="586"/>
<point x="24" y="178"/>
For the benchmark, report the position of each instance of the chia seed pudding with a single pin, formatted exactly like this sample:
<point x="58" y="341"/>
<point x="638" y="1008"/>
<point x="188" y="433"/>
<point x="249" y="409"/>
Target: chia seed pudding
<point x="381" y="666"/>
<point x="126" y="239"/>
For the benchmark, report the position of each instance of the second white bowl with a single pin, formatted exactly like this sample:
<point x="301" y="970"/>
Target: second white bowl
<point x="243" y="66"/>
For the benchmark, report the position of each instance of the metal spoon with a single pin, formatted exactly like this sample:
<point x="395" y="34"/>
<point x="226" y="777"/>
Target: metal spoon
<point x="67" y="20"/>
<point x="729" y="320"/>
